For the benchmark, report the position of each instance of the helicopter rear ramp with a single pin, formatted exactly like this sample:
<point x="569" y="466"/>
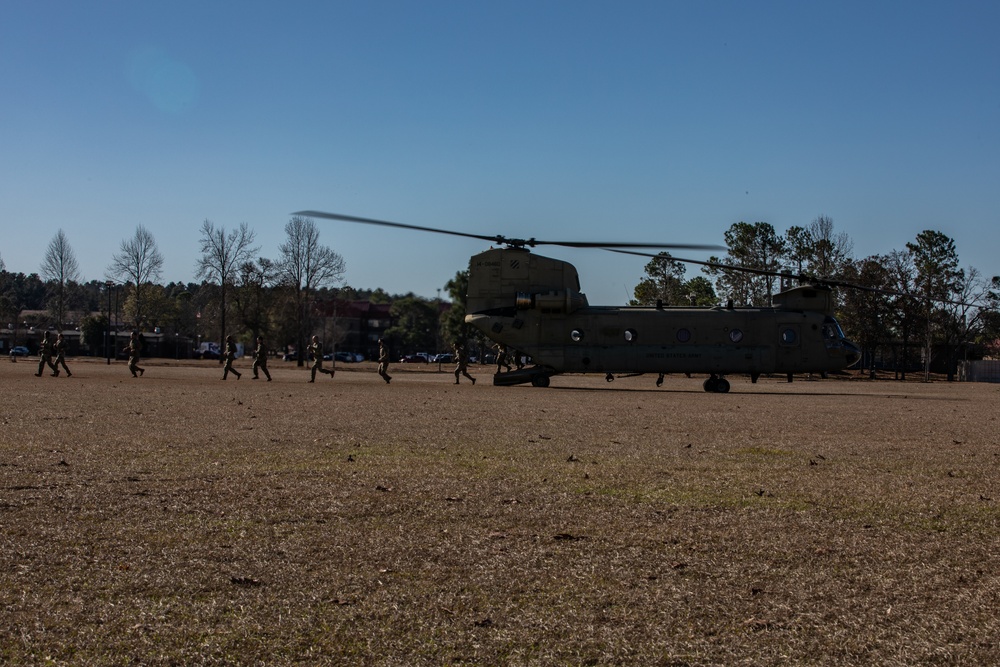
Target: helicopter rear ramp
<point x="535" y="375"/>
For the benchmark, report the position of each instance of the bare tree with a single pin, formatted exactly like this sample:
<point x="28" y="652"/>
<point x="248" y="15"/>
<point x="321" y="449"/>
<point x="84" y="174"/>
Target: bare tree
<point x="138" y="262"/>
<point x="60" y="267"/>
<point x="304" y="265"/>
<point x="253" y="295"/>
<point x="831" y="251"/>
<point x="222" y="255"/>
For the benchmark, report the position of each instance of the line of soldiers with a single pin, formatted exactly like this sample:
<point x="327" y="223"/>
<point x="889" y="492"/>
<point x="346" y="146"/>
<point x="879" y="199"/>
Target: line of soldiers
<point x="57" y="349"/>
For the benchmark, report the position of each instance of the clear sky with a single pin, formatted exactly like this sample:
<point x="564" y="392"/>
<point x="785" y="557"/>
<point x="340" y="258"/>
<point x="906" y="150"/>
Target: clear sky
<point x="630" y="121"/>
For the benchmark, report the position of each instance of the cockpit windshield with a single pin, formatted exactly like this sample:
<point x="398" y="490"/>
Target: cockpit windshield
<point x="832" y="330"/>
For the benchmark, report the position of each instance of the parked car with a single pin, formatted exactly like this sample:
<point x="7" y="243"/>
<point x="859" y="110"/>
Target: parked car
<point x="444" y="358"/>
<point x="413" y="359"/>
<point x="348" y="357"/>
<point x="208" y="350"/>
<point x="19" y="351"/>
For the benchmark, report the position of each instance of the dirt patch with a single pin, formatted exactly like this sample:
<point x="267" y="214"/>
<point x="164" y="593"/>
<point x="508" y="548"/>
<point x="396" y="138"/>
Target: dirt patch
<point x="180" y="519"/>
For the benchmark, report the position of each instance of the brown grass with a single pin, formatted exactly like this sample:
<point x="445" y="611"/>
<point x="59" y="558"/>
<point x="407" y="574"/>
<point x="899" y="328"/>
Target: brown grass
<point x="177" y="519"/>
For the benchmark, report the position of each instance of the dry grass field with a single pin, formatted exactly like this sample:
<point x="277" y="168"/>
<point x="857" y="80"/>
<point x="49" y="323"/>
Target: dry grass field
<point x="176" y="519"/>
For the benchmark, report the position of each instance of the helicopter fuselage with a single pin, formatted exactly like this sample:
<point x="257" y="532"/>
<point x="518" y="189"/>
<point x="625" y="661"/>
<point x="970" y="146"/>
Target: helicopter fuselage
<point x="671" y="340"/>
<point x="532" y="304"/>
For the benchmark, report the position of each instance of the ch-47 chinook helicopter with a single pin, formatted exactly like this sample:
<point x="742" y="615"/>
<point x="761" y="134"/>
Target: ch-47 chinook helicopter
<point x="533" y="304"/>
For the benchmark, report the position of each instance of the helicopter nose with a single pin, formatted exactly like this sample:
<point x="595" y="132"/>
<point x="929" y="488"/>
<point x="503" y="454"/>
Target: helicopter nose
<point x="852" y="354"/>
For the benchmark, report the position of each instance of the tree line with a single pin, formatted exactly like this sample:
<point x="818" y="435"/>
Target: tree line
<point x="238" y="290"/>
<point x="911" y="305"/>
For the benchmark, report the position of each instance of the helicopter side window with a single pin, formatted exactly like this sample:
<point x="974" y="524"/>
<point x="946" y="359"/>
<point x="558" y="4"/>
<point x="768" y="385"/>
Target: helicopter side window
<point x="631" y="335"/>
<point x="789" y="336"/>
<point x="576" y="335"/>
<point x="683" y="335"/>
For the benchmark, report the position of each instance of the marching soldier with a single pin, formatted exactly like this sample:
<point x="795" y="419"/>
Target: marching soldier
<point x="518" y="359"/>
<point x="61" y="355"/>
<point x="383" y="361"/>
<point x="45" y="356"/>
<point x="230" y="355"/>
<point x="260" y="359"/>
<point x="133" y="349"/>
<point x="462" y="363"/>
<point x="502" y="361"/>
<point x="316" y="349"/>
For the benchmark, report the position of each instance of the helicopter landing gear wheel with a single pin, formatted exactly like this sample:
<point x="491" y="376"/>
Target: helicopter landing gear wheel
<point x="609" y="378"/>
<point x="716" y="385"/>
<point x="540" y="381"/>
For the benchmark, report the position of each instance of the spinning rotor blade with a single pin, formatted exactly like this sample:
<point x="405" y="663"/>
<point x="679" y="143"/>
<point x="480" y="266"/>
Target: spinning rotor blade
<point x="717" y="265"/>
<point x="398" y="225"/>
<point x="503" y="240"/>
<point x="800" y="277"/>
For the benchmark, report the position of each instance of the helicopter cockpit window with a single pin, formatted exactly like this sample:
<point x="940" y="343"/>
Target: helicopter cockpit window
<point x="683" y="335"/>
<point x="631" y="335"/>
<point x="833" y="335"/>
<point x="576" y="335"/>
<point x="832" y="330"/>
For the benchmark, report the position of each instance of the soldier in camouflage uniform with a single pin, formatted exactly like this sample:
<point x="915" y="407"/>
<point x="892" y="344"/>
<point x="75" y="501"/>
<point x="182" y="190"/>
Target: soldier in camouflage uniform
<point x="316" y="349"/>
<point x="462" y="363"/>
<point x="230" y="355"/>
<point x="260" y="359"/>
<point x="383" y="361"/>
<point x="133" y="349"/>
<point x="518" y="359"/>
<point x="502" y="361"/>
<point x="45" y="356"/>
<point x="61" y="355"/>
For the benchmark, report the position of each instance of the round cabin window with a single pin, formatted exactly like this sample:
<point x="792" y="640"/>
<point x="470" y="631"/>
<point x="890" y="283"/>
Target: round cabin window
<point x="576" y="335"/>
<point x="683" y="335"/>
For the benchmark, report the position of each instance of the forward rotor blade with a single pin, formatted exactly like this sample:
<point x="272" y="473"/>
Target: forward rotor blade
<point x="498" y="239"/>
<point x="801" y="277"/>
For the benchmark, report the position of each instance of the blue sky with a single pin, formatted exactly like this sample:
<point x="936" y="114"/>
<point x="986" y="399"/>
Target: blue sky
<point x="631" y="121"/>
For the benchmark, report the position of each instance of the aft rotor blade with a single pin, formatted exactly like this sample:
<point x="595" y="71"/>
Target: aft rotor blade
<point x="397" y="225"/>
<point x="503" y="240"/>
<point x="700" y="262"/>
<point x="612" y="246"/>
